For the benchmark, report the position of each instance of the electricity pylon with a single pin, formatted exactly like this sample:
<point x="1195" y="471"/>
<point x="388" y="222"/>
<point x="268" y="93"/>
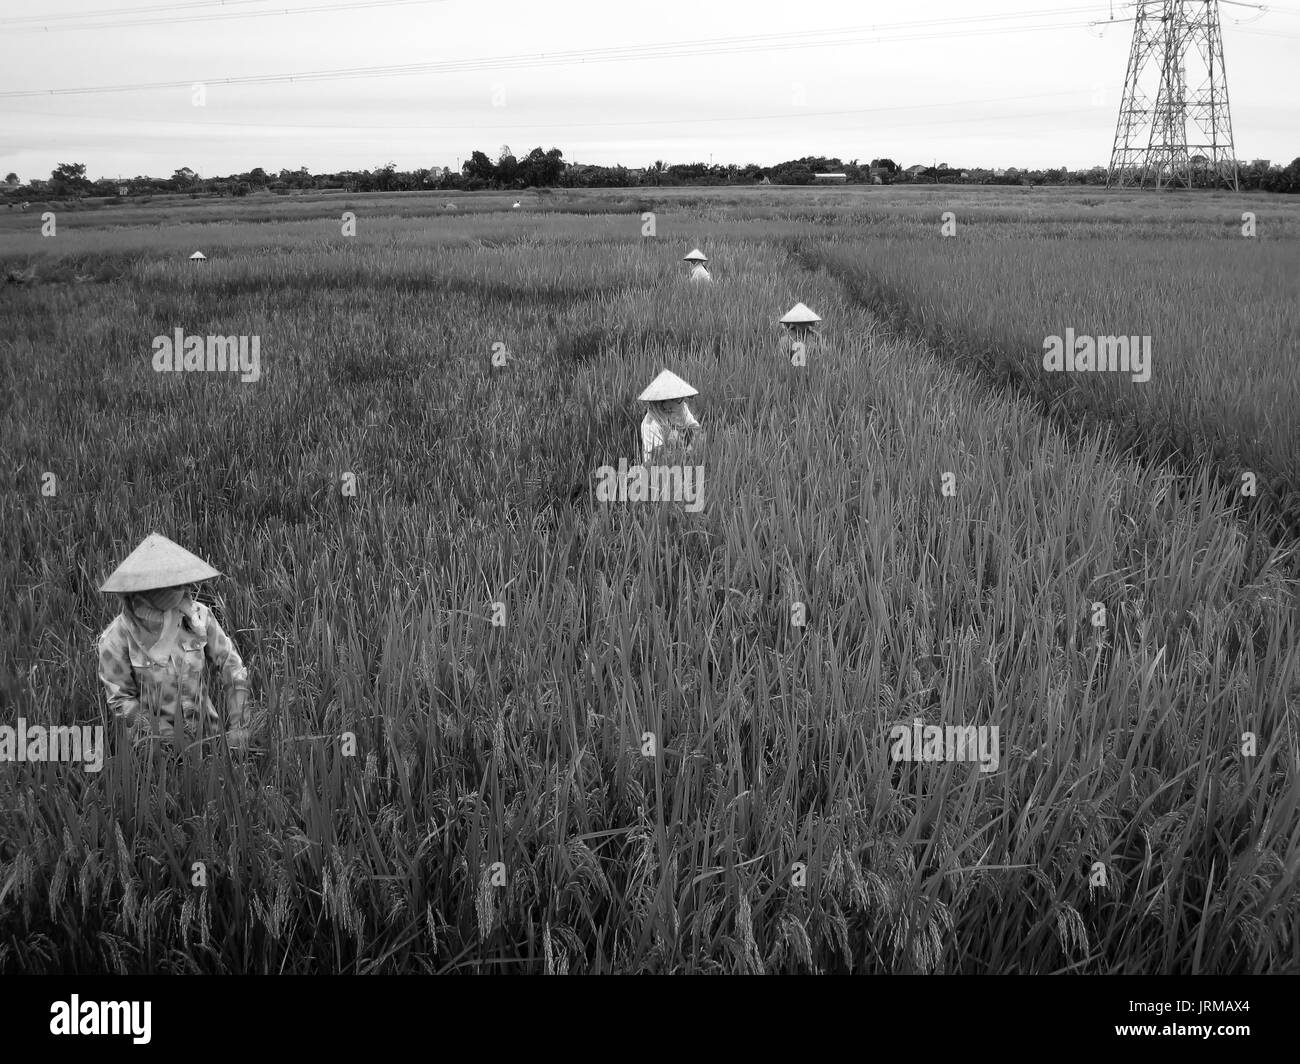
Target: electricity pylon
<point x="1174" y="128"/>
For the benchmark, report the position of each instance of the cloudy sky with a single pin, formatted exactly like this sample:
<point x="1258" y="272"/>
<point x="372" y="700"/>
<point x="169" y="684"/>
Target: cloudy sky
<point x="968" y="82"/>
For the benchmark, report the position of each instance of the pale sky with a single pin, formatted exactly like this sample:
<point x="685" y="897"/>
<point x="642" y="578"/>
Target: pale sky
<point x="969" y="88"/>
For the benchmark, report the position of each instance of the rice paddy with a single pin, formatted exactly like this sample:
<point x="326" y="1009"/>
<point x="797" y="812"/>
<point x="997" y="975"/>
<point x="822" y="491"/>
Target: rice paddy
<point x="596" y="738"/>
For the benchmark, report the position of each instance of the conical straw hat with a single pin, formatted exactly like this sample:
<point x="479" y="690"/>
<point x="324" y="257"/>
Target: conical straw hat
<point x="695" y="256"/>
<point x="198" y="256"/>
<point x="158" y="562"/>
<point x="799" y="315"/>
<point x="667" y="386"/>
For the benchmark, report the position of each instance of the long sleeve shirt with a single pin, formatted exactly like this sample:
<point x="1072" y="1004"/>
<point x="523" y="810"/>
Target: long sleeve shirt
<point x="658" y="432"/>
<point x="153" y="682"/>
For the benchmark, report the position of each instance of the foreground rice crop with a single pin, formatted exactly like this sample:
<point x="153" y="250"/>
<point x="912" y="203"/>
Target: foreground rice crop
<point x="648" y="764"/>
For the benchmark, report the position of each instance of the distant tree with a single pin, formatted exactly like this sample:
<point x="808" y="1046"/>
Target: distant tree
<point x="539" y="169"/>
<point x="792" y="172"/>
<point x="11" y="178"/>
<point x="554" y="166"/>
<point x="69" y="173"/>
<point x="507" y="167"/>
<point x="1277" y="178"/>
<point x="479" y="166"/>
<point x="69" y="179"/>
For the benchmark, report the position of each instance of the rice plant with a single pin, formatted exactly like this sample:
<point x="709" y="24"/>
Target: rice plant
<point x="501" y="812"/>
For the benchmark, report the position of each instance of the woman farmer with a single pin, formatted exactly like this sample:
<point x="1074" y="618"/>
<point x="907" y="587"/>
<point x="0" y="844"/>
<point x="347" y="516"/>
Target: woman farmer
<point x="669" y="422"/>
<point x="151" y="658"/>
<point x="699" y="272"/>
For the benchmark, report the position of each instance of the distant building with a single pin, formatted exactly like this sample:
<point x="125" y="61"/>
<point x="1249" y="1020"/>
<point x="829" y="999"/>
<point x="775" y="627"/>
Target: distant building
<point x="766" y="180"/>
<point x="830" y="179"/>
<point x="122" y="190"/>
<point x="917" y="170"/>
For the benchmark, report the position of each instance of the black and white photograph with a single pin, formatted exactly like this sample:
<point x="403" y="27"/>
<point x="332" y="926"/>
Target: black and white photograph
<point x="677" y="489"/>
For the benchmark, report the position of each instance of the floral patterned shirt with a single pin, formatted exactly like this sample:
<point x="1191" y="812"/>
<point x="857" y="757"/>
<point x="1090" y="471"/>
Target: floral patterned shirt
<point x="145" y="686"/>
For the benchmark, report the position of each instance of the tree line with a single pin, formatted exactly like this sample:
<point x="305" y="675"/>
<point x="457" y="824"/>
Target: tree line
<point x="541" y="168"/>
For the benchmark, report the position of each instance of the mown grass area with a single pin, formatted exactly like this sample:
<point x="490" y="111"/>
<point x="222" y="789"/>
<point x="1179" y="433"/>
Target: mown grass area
<point x="522" y="743"/>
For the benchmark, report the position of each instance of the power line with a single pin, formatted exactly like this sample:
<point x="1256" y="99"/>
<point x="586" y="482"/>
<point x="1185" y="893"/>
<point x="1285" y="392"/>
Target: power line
<point x="709" y="46"/>
<point x="566" y="125"/>
<point x="41" y="21"/>
<point x="986" y="125"/>
<point x="1271" y="34"/>
<point x="127" y="10"/>
<point x="217" y="16"/>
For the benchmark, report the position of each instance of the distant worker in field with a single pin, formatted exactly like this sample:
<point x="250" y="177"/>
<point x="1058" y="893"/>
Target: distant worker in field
<point x="669" y="426"/>
<point x="152" y="657"/>
<point x="699" y="274"/>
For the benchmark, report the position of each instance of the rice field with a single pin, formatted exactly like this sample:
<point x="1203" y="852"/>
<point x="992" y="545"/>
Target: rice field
<point x="595" y="738"/>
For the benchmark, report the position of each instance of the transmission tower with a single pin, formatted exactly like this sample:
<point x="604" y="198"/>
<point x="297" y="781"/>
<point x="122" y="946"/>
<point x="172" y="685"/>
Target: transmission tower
<point x="1174" y="129"/>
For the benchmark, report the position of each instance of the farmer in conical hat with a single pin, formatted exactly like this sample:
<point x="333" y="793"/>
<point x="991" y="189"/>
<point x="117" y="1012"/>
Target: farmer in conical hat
<point x="699" y="272"/>
<point x="800" y="321"/>
<point x="151" y="658"/>
<point x="669" y="422"/>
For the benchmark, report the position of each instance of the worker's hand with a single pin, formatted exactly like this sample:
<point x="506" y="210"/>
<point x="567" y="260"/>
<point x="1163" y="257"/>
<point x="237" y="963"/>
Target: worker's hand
<point x="141" y="726"/>
<point x="237" y="738"/>
<point x="236" y="705"/>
